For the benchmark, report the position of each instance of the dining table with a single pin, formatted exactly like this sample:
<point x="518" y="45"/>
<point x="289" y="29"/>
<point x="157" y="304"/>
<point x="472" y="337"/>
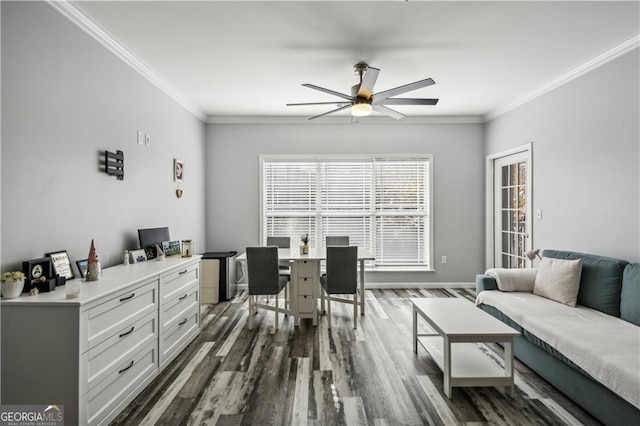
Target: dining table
<point x="305" y="270"/>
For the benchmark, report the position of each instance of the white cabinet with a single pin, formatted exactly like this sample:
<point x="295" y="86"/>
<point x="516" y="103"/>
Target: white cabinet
<point x="306" y="274"/>
<point x="179" y="310"/>
<point x="96" y="353"/>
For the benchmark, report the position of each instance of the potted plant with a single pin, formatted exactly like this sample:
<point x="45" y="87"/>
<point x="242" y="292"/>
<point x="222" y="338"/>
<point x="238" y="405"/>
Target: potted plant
<point x="304" y="248"/>
<point x="12" y="284"/>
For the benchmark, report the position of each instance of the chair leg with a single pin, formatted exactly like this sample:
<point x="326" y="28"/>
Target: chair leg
<point x="250" y="320"/>
<point x="277" y="298"/>
<point x="322" y="294"/>
<point x="355" y="310"/>
<point x="286" y="298"/>
<point x="329" y="309"/>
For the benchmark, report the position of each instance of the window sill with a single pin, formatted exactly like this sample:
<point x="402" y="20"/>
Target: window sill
<point x="398" y="269"/>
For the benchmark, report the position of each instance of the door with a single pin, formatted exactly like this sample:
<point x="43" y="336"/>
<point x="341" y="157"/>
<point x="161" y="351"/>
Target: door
<point x="512" y="210"/>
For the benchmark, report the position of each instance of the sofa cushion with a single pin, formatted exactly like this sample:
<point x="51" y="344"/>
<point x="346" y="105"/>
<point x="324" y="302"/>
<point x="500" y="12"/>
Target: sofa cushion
<point x="630" y="294"/>
<point x="559" y="280"/>
<point x="601" y="280"/>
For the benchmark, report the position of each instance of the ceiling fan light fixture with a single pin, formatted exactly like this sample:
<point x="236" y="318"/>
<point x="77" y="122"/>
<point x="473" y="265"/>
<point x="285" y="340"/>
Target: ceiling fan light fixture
<point x="361" y="109"/>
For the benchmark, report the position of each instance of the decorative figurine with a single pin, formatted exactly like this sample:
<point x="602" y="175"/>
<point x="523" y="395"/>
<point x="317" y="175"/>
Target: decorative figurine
<point x="159" y="253"/>
<point x="93" y="266"/>
<point x="125" y="257"/>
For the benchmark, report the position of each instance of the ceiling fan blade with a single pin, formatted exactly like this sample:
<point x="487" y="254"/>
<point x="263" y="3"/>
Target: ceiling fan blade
<point x="388" y="112"/>
<point x="330" y="112"/>
<point x="337" y="103"/>
<point x="403" y="89"/>
<point x="406" y="101"/>
<point x="368" y="81"/>
<point x="331" y="92"/>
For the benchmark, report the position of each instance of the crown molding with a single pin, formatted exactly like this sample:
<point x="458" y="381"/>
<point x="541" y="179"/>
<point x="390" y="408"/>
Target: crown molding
<point x="75" y="15"/>
<point x="344" y="119"/>
<point x="608" y="56"/>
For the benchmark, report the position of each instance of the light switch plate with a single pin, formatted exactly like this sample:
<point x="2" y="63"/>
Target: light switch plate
<point x="140" y="138"/>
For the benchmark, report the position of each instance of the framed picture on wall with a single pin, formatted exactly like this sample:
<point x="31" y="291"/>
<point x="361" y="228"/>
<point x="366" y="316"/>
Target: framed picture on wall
<point x="62" y="264"/>
<point x="178" y="170"/>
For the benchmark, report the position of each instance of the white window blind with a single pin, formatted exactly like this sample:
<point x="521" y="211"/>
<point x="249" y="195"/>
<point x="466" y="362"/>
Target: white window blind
<point x="381" y="204"/>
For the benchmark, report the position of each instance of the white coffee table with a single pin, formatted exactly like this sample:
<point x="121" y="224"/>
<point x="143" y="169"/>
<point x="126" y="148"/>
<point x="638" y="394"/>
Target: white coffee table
<point x="459" y="326"/>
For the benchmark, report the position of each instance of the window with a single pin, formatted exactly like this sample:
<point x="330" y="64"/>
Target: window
<point x="383" y="204"/>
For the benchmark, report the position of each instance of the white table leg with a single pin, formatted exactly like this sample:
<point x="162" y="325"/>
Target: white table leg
<point x="447" y="367"/>
<point x="508" y="362"/>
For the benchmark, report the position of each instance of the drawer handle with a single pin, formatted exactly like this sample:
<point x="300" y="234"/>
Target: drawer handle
<point x="183" y="322"/>
<point x="305" y="279"/>
<point x="128" y="332"/>
<point x="128" y="297"/>
<point x="183" y="297"/>
<point x="183" y="272"/>
<point x="126" y="368"/>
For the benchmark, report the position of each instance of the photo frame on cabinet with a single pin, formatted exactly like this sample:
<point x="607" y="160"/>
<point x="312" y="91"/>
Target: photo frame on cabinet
<point x="62" y="264"/>
<point x="138" y="256"/>
<point x="82" y="267"/>
<point x="171" y="248"/>
<point x="178" y="170"/>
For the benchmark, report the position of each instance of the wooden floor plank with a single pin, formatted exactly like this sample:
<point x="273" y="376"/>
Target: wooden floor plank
<point x="314" y="376"/>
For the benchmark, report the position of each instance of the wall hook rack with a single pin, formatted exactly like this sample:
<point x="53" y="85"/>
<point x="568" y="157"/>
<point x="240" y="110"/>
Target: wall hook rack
<point x="114" y="164"/>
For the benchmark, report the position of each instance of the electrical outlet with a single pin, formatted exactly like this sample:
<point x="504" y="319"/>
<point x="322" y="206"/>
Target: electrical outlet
<point x="140" y="138"/>
<point x="444" y="260"/>
<point x="147" y="140"/>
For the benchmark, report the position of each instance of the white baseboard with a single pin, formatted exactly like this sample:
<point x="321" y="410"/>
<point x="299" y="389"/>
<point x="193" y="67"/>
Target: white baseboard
<point x="379" y="286"/>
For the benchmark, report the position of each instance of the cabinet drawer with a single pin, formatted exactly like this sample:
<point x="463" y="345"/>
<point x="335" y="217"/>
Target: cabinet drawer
<point x="173" y="311"/>
<point x="120" y="347"/>
<point x="306" y="268"/>
<point x="305" y="304"/>
<point x="108" y="318"/>
<point x="176" y="336"/>
<point x="173" y="282"/>
<point x="305" y="286"/>
<point x="122" y="380"/>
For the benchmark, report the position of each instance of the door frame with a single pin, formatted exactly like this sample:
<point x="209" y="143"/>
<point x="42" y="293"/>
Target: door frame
<point x="527" y="150"/>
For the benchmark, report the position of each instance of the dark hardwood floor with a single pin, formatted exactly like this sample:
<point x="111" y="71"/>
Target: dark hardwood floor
<point x="310" y="376"/>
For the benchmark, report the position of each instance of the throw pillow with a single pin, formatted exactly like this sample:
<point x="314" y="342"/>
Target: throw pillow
<point x="559" y="280"/>
<point x="513" y="279"/>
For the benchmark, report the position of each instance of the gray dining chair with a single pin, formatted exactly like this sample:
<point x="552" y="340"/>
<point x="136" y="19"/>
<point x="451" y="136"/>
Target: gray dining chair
<point x="341" y="278"/>
<point x="285" y="266"/>
<point x="281" y="242"/>
<point x="336" y="240"/>
<point x="264" y="280"/>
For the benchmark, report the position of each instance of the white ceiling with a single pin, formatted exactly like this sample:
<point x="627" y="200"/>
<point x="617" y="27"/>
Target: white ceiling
<point x="246" y="58"/>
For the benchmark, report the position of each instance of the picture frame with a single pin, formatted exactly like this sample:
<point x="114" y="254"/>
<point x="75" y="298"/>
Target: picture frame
<point x="62" y="264"/>
<point x="178" y="170"/>
<point x="171" y="248"/>
<point x="82" y="267"/>
<point x="138" y="256"/>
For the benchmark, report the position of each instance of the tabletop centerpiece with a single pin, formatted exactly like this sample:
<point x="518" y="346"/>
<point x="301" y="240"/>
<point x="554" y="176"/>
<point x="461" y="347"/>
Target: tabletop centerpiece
<point x="304" y="248"/>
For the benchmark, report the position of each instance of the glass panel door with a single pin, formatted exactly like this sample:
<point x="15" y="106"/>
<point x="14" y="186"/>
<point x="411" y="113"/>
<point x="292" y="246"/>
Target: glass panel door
<point x="512" y="223"/>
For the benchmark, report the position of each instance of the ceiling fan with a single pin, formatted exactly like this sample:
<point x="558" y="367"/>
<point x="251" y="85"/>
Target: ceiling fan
<point x="363" y="101"/>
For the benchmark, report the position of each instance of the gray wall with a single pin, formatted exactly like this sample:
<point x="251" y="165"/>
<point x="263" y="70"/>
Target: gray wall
<point x="66" y="99"/>
<point x="586" y="156"/>
<point x="233" y="182"/>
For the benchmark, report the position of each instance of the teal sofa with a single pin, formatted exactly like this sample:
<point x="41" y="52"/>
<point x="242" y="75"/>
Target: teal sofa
<point x="607" y="285"/>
